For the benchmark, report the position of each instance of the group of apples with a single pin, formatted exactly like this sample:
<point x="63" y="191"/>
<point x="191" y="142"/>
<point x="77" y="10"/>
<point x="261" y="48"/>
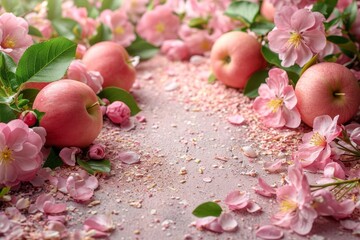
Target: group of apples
<point x="323" y="89"/>
<point x="73" y="117"/>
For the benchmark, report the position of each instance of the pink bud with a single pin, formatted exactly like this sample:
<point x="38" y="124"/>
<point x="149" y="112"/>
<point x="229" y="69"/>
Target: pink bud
<point x="118" y="112"/>
<point x="29" y="118"/>
<point x="106" y="101"/>
<point x="97" y="151"/>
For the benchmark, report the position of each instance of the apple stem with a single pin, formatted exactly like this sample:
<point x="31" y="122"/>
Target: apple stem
<point x="339" y="94"/>
<point x="93" y="105"/>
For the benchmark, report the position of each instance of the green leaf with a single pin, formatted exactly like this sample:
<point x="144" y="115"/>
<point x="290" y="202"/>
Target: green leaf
<point x="207" y="209"/>
<point x="53" y="160"/>
<point x="4" y="191"/>
<point x="252" y="86"/>
<point x="6" y="113"/>
<point x="7" y="72"/>
<point x="46" y="61"/>
<point x="142" y="48"/>
<point x="103" y="33"/>
<point x="95" y="166"/>
<point x="349" y="15"/>
<point x="243" y="10"/>
<point x="326" y="7"/>
<point x="212" y="78"/>
<point x="311" y="62"/>
<point x="349" y="48"/>
<point x="30" y="94"/>
<point x="261" y="28"/>
<point x="337" y="39"/>
<point x="110" y="4"/>
<point x="273" y="59"/>
<point x="33" y="31"/>
<point x="9" y="5"/>
<point x="67" y="28"/>
<point x="118" y="94"/>
<point x="54" y="9"/>
<point x="83" y="3"/>
<point x="199" y="23"/>
<point x="19" y="7"/>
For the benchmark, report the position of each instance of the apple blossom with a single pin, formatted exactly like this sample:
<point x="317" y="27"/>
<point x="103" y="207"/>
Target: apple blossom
<point x="118" y="112"/>
<point x="88" y="25"/>
<point x="298" y="35"/>
<point x="198" y="41"/>
<point x="14" y="37"/>
<point x="46" y="203"/>
<point x="20" y="152"/>
<point x="315" y="151"/>
<point x="135" y="8"/>
<point x="175" y="50"/>
<point x="296" y="210"/>
<point x="78" y="71"/>
<point x="276" y="102"/>
<point x="40" y="22"/>
<point x="158" y="25"/>
<point x="96" y="151"/>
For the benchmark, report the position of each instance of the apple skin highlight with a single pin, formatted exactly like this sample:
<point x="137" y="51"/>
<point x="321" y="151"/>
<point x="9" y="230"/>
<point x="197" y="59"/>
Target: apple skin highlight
<point x="327" y="89"/>
<point x="72" y="113"/>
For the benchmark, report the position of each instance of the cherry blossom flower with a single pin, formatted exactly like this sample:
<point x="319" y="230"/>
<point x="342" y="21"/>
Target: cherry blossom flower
<point x="296" y="210"/>
<point x="68" y="155"/>
<point x="121" y="28"/>
<point x="88" y="25"/>
<point x="297" y="36"/>
<point x="118" y="112"/>
<point x="277" y="101"/>
<point x="315" y="151"/>
<point x="158" y="25"/>
<point x="78" y="71"/>
<point x="14" y="37"/>
<point x="96" y="151"/>
<point x="20" y="152"/>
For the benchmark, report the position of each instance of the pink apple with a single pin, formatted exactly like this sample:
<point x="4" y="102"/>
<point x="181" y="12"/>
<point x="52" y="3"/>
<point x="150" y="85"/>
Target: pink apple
<point x="72" y="113"/>
<point x="267" y="10"/>
<point x="113" y="62"/>
<point x="235" y="56"/>
<point x="327" y="89"/>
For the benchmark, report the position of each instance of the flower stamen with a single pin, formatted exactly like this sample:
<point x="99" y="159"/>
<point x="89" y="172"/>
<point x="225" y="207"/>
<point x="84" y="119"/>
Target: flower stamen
<point x="287" y="206"/>
<point x="318" y="140"/>
<point x="160" y="27"/>
<point x="6" y="155"/>
<point x="275" y="104"/>
<point x="295" y="39"/>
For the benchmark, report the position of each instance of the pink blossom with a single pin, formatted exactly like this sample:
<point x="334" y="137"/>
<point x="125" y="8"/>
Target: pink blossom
<point x="296" y="210"/>
<point x="224" y="223"/>
<point x="135" y="8"/>
<point x="78" y="71"/>
<point x="121" y="28"/>
<point x="101" y="224"/>
<point x="88" y="25"/>
<point x="96" y="151"/>
<point x="334" y="170"/>
<point x="158" y="25"/>
<point x="20" y="152"/>
<point x="14" y="37"/>
<point x="80" y="51"/>
<point x="297" y="36"/>
<point x="118" y="112"/>
<point x="331" y="48"/>
<point x="68" y="155"/>
<point x="275" y="166"/>
<point x="198" y="41"/>
<point x="315" y="151"/>
<point x="175" y="50"/>
<point x="237" y="200"/>
<point x="327" y="205"/>
<point x="298" y="3"/>
<point x="277" y="101"/>
<point x="81" y="185"/>
<point x="40" y="22"/>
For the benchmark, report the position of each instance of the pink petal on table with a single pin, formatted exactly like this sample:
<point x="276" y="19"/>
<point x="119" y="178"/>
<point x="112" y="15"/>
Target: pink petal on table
<point x="209" y="223"/>
<point x="269" y="232"/>
<point x="266" y="190"/>
<point x="22" y="203"/>
<point x="253" y="207"/>
<point x="79" y="193"/>
<point x="5" y="223"/>
<point x="275" y="166"/>
<point x="129" y="157"/>
<point x="101" y="222"/>
<point x="58" y="218"/>
<point x="68" y="155"/>
<point x="41" y="199"/>
<point x="236" y="200"/>
<point x="349" y="224"/>
<point x="236" y="120"/>
<point x="227" y="222"/>
<point x="54" y="208"/>
<point x="248" y="151"/>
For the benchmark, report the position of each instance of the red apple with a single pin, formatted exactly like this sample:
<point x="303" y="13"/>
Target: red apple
<point x="113" y="62"/>
<point x="72" y="113"/>
<point x="327" y="89"/>
<point x="235" y="56"/>
<point x="267" y="10"/>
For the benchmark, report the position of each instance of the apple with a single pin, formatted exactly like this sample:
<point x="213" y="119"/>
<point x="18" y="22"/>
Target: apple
<point x="327" y="89"/>
<point x="113" y="62"/>
<point x="234" y="57"/>
<point x="267" y="10"/>
<point x="72" y="113"/>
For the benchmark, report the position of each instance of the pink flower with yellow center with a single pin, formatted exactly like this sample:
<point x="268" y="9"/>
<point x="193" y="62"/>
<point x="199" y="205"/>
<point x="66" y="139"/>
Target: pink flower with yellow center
<point x="315" y="151"/>
<point x="14" y="37"/>
<point x="158" y="25"/>
<point x="20" y="152"/>
<point x="276" y="103"/>
<point x="298" y="35"/>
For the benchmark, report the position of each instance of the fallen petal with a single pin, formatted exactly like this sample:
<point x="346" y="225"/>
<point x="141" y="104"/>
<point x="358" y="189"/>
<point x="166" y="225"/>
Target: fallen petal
<point x="54" y="208"/>
<point x="349" y="224"/>
<point x="253" y="207"/>
<point x="171" y="86"/>
<point x="237" y="200"/>
<point x="209" y="223"/>
<point x="249" y="152"/>
<point x="236" y="119"/>
<point x="269" y="232"/>
<point x="227" y="222"/>
<point x="274" y="167"/>
<point x="100" y="222"/>
<point x="129" y="157"/>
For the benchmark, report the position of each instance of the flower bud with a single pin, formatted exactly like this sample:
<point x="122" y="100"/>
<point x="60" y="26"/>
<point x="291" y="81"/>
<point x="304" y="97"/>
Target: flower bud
<point x="118" y="112"/>
<point x="29" y="118"/>
<point x="96" y="151"/>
